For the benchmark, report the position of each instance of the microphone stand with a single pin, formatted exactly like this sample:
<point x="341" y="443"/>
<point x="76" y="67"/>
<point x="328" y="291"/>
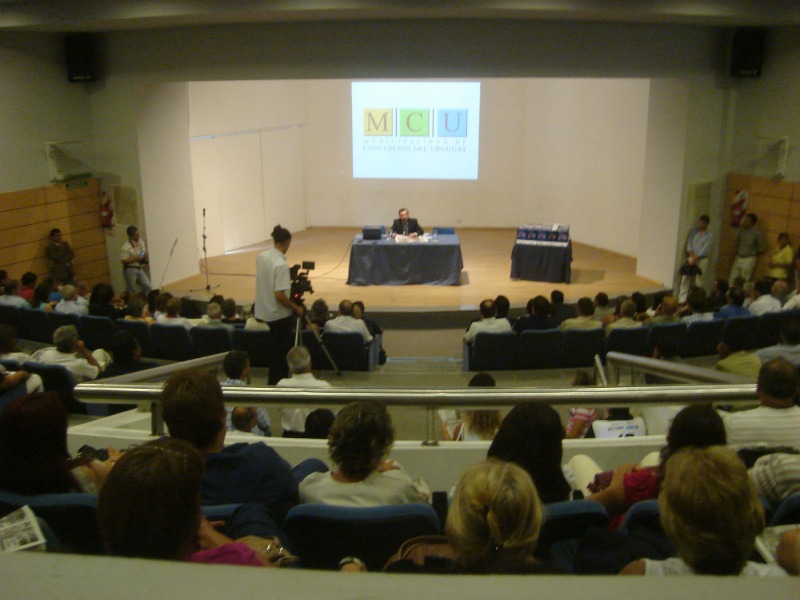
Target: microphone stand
<point x="208" y="287"/>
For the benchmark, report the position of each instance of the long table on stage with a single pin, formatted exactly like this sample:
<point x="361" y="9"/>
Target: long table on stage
<point x="386" y="262"/>
<point x="542" y="261"/>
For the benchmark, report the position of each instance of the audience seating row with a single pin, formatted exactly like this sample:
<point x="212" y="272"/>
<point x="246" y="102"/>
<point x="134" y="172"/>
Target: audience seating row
<point x="171" y="342"/>
<point x="552" y="348"/>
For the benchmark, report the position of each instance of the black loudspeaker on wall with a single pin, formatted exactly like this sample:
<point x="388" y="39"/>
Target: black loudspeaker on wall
<point x="81" y="52"/>
<point x="747" y="52"/>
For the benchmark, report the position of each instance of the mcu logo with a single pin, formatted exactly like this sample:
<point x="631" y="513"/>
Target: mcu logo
<point x="415" y="122"/>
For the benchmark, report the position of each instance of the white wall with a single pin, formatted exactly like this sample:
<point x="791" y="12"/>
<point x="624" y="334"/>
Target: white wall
<point x="663" y="176"/>
<point x="167" y="181"/>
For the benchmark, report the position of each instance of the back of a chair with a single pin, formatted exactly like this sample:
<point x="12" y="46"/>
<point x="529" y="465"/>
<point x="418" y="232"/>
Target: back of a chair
<point x="443" y="230"/>
<point x="493" y="351"/>
<point x="257" y="344"/>
<point x="172" y="342"/>
<point x="745" y="328"/>
<point x="628" y="340"/>
<point x="9" y="315"/>
<point x="702" y="338"/>
<point x="34" y="326"/>
<point x="769" y="327"/>
<point x="326" y="534"/>
<point x="661" y="332"/>
<point x="788" y="511"/>
<point x="59" y="319"/>
<point x="57" y="378"/>
<point x="141" y="331"/>
<point x="643" y="516"/>
<point x="319" y="360"/>
<point x="10" y="364"/>
<point x="72" y="517"/>
<point x="97" y="332"/>
<point x="538" y="349"/>
<point x="568" y="521"/>
<point x="580" y="347"/>
<point x="211" y="340"/>
<point x="347" y="350"/>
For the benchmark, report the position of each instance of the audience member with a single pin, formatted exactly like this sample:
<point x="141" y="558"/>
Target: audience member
<point x="319" y="313"/>
<point x="487" y="323"/>
<point x="580" y="418"/>
<point x="735" y="306"/>
<point x="318" y="424"/>
<point x="539" y="316"/>
<point x="346" y="323"/>
<point x="492" y="525"/>
<point x="666" y="312"/>
<point x="719" y="294"/>
<point x="780" y="291"/>
<point x="11" y="380"/>
<point x="788" y="348"/>
<point x="788" y="552"/>
<point x="230" y="315"/>
<point x="584" y="318"/>
<point x="776" y="422"/>
<point x="359" y="442"/>
<point x="33" y="450"/>
<point x="10" y="297"/>
<point x="214" y="317"/>
<point x="150" y="508"/>
<point x="293" y="419"/>
<point x="625" y="321"/>
<point x="236" y="365"/>
<point x="72" y="353"/>
<point x="28" y="286"/>
<point x="82" y="293"/>
<point x="733" y="358"/>
<point x="696" y="308"/>
<point x="41" y="298"/>
<point x="776" y="476"/>
<point x="658" y="298"/>
<point x="474" y="425"/>
<point x="560" y="310"/>
<point x="8" y="345"/>
<point x="641" y="306"/>
<point x="762" y="301"/>
<point x="126" y="356"/>
<point x="69" y="303"/>
<point x="711" y="514"/>
<point x="601" y="307"/>
<point x="172" y="316"/>
<point x="531" y="436"/>
<point x="501" y="308"/>
<point x="194" y="411"/>
<point x="160" y="304"/>
<point x="101" y="302"/>
<point x="372" y="325"/>
<point x="698" y="247"/>
<point x="697" y="425"/>
<point x="138" y="310"/>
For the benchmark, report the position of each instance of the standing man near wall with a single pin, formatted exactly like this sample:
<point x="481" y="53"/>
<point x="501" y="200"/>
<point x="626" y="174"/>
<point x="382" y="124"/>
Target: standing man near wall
<point x="273" y="305"/>
<point x="60" y="256"/>
<point x="698" y="247"/>
<point x="749" y="244"/>
<point x="134" y="257"/>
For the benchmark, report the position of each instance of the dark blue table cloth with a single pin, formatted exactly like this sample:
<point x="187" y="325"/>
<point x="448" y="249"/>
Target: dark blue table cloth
<point x="542" y="261"/>
<point x="385" y="262"/>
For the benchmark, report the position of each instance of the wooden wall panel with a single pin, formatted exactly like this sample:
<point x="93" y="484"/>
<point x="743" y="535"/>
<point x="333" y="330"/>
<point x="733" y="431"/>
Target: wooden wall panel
<point x="27" y="216"/>
<point x="777" y="204"/>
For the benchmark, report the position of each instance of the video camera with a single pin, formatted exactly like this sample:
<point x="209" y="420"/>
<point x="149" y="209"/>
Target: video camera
<point x="300" y="281"/>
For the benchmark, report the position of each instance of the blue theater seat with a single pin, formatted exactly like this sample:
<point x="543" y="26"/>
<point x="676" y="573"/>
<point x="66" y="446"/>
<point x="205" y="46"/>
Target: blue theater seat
<point x="493" y="351"/>
<point x="538" y="349"/>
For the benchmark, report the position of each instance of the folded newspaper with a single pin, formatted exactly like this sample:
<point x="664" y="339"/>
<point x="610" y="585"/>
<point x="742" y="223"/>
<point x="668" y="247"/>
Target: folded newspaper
<point x="20" y="530"/>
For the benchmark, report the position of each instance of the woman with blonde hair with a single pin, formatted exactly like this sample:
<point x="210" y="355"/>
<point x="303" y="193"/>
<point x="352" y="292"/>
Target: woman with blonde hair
<point x="711" y="513"/>
<point x="492" y="526"/>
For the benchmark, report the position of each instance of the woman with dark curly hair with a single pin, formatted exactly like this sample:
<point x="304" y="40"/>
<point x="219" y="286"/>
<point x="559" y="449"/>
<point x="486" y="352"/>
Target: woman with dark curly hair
<point x="359" y="442"/>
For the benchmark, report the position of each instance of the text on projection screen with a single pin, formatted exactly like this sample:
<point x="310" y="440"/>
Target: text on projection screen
<point x="416" y="130"/>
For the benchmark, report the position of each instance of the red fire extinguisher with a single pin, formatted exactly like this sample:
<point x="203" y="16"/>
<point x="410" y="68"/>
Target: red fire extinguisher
<point x="106" y="212"/>
<point x="739" y="207"/>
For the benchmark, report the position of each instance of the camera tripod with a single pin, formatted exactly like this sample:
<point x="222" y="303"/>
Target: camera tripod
<point x="318" y="337"/>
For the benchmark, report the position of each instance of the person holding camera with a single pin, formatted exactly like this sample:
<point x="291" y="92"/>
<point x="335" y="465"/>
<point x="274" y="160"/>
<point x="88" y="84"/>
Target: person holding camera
<point x="273" y="304"/>
<point x="134" y="257"/>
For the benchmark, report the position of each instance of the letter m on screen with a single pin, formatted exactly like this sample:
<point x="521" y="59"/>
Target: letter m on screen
<point x="378" y="121"/>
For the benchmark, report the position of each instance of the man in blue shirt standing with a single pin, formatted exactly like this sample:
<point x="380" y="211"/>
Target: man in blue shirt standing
<point x="698" y="247"/>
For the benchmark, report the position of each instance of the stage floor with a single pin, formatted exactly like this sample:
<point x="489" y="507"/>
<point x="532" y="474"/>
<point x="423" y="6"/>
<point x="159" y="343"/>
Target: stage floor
<point x="487" y="265"/>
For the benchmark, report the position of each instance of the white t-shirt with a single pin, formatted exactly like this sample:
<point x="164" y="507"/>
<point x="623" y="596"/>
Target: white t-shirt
<point x="764" y="425"/>
<point x="294" y="419"/>
<point x="79" y="367"/>
<point x="378" y="489"/>
<point x="272" y="274"/>
<point x="348" y="324"/>
<point x="490" y="325"/>
<point x="676" y="566"/>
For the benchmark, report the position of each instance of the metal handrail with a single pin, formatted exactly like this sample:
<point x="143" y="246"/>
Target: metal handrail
<point x="672" y="370"/>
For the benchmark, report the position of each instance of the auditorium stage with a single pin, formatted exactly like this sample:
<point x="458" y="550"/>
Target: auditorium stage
<point x="487" y="265"/>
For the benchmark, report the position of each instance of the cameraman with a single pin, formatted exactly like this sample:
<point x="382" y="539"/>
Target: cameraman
<point x="273" y="305"/>
<point x="134" y="257"/>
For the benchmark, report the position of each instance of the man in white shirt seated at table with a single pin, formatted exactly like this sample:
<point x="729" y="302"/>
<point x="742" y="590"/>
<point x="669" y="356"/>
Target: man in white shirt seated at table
<point x="293" y="420"/>
<point x="346" y="323"/>
<point x="487" y="322"/>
